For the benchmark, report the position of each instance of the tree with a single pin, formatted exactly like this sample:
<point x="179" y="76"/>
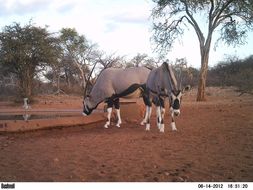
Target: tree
<point x="77" y="48"/>
<point x="25" y="51"/>
<point x="141" y="60"/>
<point x="185" y="75"/>
<point x="232" y="18"/>
<point x="107" y="61"/>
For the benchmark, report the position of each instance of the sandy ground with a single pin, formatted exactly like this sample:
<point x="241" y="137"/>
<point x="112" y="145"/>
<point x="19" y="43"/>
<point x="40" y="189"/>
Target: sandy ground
<point x="213" y="143"/>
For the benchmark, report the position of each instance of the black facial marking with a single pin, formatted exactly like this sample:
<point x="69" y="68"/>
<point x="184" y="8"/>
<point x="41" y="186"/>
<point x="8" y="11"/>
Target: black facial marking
<point x="176" y="104"/>
<point x="176" y="92"/>
<point x="87" y="110"/>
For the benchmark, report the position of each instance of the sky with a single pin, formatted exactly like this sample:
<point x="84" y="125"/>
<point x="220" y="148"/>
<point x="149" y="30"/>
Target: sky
<point x="122" y="27"/>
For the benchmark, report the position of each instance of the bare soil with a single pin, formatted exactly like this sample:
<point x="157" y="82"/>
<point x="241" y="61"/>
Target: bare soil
<point x="213" y="143"/>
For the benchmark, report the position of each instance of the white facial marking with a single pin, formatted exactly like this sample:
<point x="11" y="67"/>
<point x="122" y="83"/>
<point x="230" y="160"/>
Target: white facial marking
<point x="179" y="97"/>
<point x="176" y="112"/>
<point x="173" y="97"/>
<point x="86" y="108"/>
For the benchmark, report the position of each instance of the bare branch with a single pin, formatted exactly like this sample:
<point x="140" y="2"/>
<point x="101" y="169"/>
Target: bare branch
<point x="194" y="23"/>
<point x="211" y="15"/>
<point x="219" y="13"/>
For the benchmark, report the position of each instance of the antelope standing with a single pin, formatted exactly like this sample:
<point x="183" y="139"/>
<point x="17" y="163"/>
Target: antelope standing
<point x="115" y="83"/>
<point x="161" y="83"/>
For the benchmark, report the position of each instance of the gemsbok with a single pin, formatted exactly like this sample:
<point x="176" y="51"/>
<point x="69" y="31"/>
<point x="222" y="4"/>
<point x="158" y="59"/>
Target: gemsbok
<point x="115" y="83"/>
<point x="162" y="84"/>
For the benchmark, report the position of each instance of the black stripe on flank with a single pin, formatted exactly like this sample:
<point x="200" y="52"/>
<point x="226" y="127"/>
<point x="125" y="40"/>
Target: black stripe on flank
<point x="128" y="91"/>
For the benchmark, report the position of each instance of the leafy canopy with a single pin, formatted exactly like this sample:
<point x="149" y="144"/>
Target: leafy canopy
<point x="232" y="18"/>
<point x="25" y="48"/>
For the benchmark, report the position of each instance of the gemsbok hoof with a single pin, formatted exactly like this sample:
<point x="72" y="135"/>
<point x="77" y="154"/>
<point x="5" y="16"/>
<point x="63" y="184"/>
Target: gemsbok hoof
<point x="147" y="127"/>
<point x="143" y="123"/>
<point x="159" y="126"/>
<point x="173" y="126"/>
<point x="162" y="128"/>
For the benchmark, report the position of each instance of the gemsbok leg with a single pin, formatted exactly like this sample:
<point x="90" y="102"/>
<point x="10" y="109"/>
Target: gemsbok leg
<point x="117" y="107"/>
<point x="162" y="121"/>
<point x="144" y="121"/>
<point x="109" y="113"/>
<point x="173" y="124"/>
<point x="160" y="111"/>
<point x="148" y="104"/>
<point x="149" y="111"/>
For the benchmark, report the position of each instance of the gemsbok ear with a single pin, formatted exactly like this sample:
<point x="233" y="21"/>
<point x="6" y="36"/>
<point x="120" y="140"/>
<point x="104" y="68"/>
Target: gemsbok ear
<point x="187" y="88"/>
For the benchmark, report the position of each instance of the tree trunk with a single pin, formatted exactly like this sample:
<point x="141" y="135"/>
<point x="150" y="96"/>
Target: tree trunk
<point x="29" y="89"/>
<point x="26" y="87"/>
<point x="67" y="78"/>
<point x="58" y="82"/>
<point x="201" y="95"/>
